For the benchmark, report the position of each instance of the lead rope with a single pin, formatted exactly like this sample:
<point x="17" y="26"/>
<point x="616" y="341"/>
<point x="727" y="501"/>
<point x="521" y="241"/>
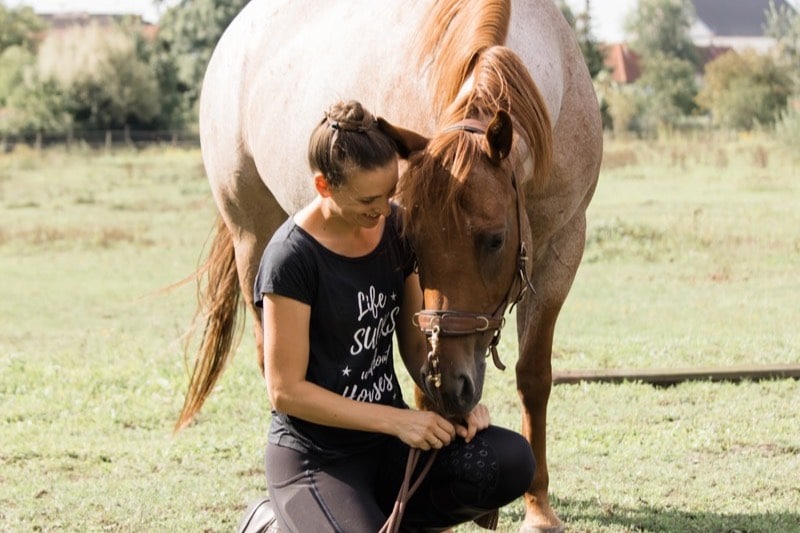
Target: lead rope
<point x="407" y="490"/>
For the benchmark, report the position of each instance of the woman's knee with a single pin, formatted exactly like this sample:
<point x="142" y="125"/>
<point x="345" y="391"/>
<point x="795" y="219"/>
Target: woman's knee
<point x="516" y="464"/>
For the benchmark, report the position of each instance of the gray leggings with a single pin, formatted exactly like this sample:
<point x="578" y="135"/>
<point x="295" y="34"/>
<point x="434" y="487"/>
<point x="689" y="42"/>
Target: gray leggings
<point x="356" y="494"/>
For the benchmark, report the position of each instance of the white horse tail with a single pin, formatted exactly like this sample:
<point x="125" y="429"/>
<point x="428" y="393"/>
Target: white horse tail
<point x="219" y="303"/>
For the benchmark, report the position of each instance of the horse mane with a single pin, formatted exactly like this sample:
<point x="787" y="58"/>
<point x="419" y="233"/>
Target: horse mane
<point x="500" y="80"/>
<point x="463" y="38"/>
<point x="454" y="33"/>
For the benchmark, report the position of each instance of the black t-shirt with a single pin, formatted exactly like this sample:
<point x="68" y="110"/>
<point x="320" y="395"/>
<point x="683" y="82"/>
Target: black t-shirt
<point x="355" y="305"/>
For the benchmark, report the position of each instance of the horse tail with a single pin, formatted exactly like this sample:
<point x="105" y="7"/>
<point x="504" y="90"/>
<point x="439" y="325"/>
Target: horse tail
<point x="219" y="303"/>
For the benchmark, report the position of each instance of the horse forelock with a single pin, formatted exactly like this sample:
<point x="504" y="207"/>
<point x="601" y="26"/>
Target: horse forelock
<point x="433" y="187"/>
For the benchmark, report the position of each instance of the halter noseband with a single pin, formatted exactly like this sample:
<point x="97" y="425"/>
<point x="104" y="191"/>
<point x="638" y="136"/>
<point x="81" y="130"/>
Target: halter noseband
<point x="450" y="323"/>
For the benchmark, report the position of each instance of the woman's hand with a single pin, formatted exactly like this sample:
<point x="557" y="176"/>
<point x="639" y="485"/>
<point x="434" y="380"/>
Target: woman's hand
<point x="424" y="429"/>
<point x="477" y="420"/>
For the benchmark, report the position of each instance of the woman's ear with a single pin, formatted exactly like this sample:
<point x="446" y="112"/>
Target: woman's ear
<point x="321" y="185"/>
<point x="407" y="141"/>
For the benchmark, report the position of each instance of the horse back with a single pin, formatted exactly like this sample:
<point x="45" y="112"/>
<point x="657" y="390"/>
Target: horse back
<point x="280" y="64"/>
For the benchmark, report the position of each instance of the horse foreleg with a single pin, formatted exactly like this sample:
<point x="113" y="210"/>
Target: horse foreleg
<point x="534" y="381"/>
<point x="536" y="321"/>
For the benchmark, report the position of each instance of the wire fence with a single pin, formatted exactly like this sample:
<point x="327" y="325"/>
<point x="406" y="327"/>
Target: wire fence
<point x="102" y="139"/>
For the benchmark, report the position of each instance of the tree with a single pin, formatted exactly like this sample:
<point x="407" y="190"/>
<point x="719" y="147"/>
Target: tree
<point x="582" y="28"/>
<point x="29" y="104"/>
<point x="668" y="89"/>
<point x="783" y="25"/>
<point x="744" y="90"/>
<point x="104" y="82"/>
<point x="35" y="105"/>
<point x="19" y="27"/>
<point x="662" y="27"/>
<point x="175" y="110"/>
<point x="187" y="36"/>
<point x="13" y="62"/>
<point x="624" y="110"/>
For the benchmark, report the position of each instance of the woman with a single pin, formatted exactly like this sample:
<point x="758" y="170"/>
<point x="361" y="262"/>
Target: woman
<point x="335" y="283"/>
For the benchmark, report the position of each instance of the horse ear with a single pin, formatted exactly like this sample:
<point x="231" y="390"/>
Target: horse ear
<point x="499" y="135"/>
<point x="407" y="141"/>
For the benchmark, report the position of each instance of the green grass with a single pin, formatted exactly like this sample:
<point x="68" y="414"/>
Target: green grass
<point x="693" y="260"/>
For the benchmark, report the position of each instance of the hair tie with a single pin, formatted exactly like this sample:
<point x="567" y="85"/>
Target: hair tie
<point x="349" y="126"/>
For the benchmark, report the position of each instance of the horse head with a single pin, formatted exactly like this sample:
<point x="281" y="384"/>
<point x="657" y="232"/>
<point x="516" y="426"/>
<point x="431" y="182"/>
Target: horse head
<point x="464" y="217"/>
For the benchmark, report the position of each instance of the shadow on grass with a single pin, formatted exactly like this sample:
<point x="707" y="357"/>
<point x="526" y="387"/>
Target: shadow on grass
<point x="593" y="514"/>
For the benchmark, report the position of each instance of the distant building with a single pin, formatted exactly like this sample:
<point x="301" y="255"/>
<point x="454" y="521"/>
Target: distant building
<point x="622" y="62"/>
<point x="62" y="21"/>
<point x="720" y="26"/>
<point x="737" y="24"/>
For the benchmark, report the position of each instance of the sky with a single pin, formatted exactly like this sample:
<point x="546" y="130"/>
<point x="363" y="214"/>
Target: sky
<point x="146" y="8"/>
<point x="607" y="15"/>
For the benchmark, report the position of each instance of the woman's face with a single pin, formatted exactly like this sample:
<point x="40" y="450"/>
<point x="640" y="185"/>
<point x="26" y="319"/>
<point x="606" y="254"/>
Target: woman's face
<point x="365" y="195"/>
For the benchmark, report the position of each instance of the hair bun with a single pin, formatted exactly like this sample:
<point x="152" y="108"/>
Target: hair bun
<point x="349" y="116"/>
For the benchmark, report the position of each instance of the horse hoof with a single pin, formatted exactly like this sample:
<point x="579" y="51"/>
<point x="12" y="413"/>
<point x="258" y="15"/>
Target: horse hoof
<point x="526" y="528"/>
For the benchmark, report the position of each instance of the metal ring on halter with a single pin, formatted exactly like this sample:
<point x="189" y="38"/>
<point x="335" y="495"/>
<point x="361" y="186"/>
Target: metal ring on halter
<point x="434" y="374"/>
<point x="485" y="325"/>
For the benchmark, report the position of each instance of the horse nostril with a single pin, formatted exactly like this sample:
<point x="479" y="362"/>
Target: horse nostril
<point x="466" y="389"/>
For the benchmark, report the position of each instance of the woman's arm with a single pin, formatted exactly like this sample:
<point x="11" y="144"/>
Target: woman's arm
<point x="286" y="352"/>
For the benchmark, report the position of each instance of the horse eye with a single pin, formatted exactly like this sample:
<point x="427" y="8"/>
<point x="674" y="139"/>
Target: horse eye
<point x="495" y="242"/>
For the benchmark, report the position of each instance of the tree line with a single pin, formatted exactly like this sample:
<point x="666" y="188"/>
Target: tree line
<point x="93" y="78"/>
<point x="118" y="77"/>
<point x="736" y="90"/>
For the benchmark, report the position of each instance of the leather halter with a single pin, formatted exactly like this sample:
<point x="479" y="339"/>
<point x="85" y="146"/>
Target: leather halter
<point x="452" y="323"/>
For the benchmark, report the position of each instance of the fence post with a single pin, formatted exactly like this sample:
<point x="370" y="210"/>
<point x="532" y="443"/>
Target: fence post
<point x="38" y="142"/>
<point x="70" y="138"/>
<point x="108" y="141"/>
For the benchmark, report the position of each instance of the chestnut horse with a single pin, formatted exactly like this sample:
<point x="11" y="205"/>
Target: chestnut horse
<point x="495" y="199"/>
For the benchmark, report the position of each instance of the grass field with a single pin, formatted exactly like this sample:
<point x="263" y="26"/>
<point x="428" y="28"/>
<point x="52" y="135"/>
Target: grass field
<point x="693" y="259"/>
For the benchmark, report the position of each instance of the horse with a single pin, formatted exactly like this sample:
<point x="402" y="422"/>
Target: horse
<point x="502" y="142"/>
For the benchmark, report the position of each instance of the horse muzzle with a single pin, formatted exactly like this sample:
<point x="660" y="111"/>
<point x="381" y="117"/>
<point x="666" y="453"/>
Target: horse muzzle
<point x="454" y="383"/>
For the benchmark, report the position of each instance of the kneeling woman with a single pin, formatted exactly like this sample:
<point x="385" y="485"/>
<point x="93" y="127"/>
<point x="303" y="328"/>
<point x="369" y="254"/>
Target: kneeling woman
<point x="335" y="283"/>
